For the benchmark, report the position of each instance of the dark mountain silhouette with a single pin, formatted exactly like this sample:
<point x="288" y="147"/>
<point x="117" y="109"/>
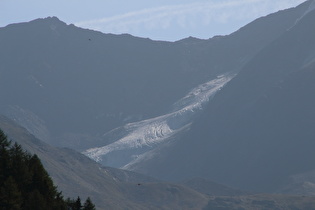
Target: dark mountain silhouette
<point x="84" y="89"/>
<point x="258" y="131"/>
<point x="68" y="86"/>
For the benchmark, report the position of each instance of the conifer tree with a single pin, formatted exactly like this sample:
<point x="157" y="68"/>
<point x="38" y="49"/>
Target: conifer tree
<point x="10" y="195"/>
<point x="25" y="184"/>
<point x="88" y="205"/>
<point x="4" y="158"/>
<point x="77" y="204"/>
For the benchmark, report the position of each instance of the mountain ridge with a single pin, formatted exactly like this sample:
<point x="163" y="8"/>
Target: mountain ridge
<point x="88" y="77"/>
<point x="259" y="126"/>
<point x="70" y="86"/>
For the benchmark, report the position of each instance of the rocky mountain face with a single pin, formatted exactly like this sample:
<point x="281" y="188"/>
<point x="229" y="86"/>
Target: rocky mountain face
<point x="257" y="133"/>
<point x="236" y="109"/>
<point x="71" y="87"/>
<point x="134" y="143"/>
<point x="109" y="188"/>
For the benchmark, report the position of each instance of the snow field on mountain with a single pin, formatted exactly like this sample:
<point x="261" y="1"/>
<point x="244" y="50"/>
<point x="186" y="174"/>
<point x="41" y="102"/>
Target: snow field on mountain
<point x="151" y="132"/>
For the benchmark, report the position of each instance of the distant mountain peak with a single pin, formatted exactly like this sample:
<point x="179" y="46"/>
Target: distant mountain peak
<point x="52" y="20"/>
<point x="190" y="39"/>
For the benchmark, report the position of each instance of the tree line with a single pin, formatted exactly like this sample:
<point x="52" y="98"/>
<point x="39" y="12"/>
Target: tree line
<point x="25" y="184"/>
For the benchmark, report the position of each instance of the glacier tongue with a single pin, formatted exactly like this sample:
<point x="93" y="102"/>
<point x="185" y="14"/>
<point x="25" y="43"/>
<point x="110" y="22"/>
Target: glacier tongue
<point x="143" y="136"/>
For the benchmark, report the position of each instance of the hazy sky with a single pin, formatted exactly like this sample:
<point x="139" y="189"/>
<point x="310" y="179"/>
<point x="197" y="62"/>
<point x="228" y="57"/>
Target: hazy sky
<point x="156" y="19"/>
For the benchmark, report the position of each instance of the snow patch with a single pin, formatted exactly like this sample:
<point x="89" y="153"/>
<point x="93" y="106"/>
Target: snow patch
<point x="147" y="134"/>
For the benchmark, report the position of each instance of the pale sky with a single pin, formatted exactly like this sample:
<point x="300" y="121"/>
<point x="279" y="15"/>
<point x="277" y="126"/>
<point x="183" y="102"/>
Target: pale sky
<point x="158" y="20"/>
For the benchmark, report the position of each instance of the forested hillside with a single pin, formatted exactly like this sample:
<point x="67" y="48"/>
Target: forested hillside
<point x="25" y="184"/>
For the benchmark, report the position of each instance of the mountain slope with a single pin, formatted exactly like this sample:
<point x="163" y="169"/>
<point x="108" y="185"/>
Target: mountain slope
<point x="129" y="143"/>
<point x="258" y="130"/>
<point x="76" y="175"/>
<point x="98" y="82"/>
<point x="125" y="146"/>
<point x="112" y="188"/>
<point x="211" y="188"/>
<point x="79" y="88"/>
<point x="261" y="202"/>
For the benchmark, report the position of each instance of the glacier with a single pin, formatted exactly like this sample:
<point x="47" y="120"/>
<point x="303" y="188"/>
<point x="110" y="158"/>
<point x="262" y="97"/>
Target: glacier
<point x="130" y="142"/>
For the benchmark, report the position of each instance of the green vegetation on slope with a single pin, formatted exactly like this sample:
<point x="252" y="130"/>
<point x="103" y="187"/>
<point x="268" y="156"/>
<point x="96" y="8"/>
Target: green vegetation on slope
<point x="25" y="184"/>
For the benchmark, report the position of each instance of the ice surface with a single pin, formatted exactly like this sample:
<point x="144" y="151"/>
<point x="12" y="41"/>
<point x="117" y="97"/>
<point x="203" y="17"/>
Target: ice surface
<point x="149" y="133"/>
